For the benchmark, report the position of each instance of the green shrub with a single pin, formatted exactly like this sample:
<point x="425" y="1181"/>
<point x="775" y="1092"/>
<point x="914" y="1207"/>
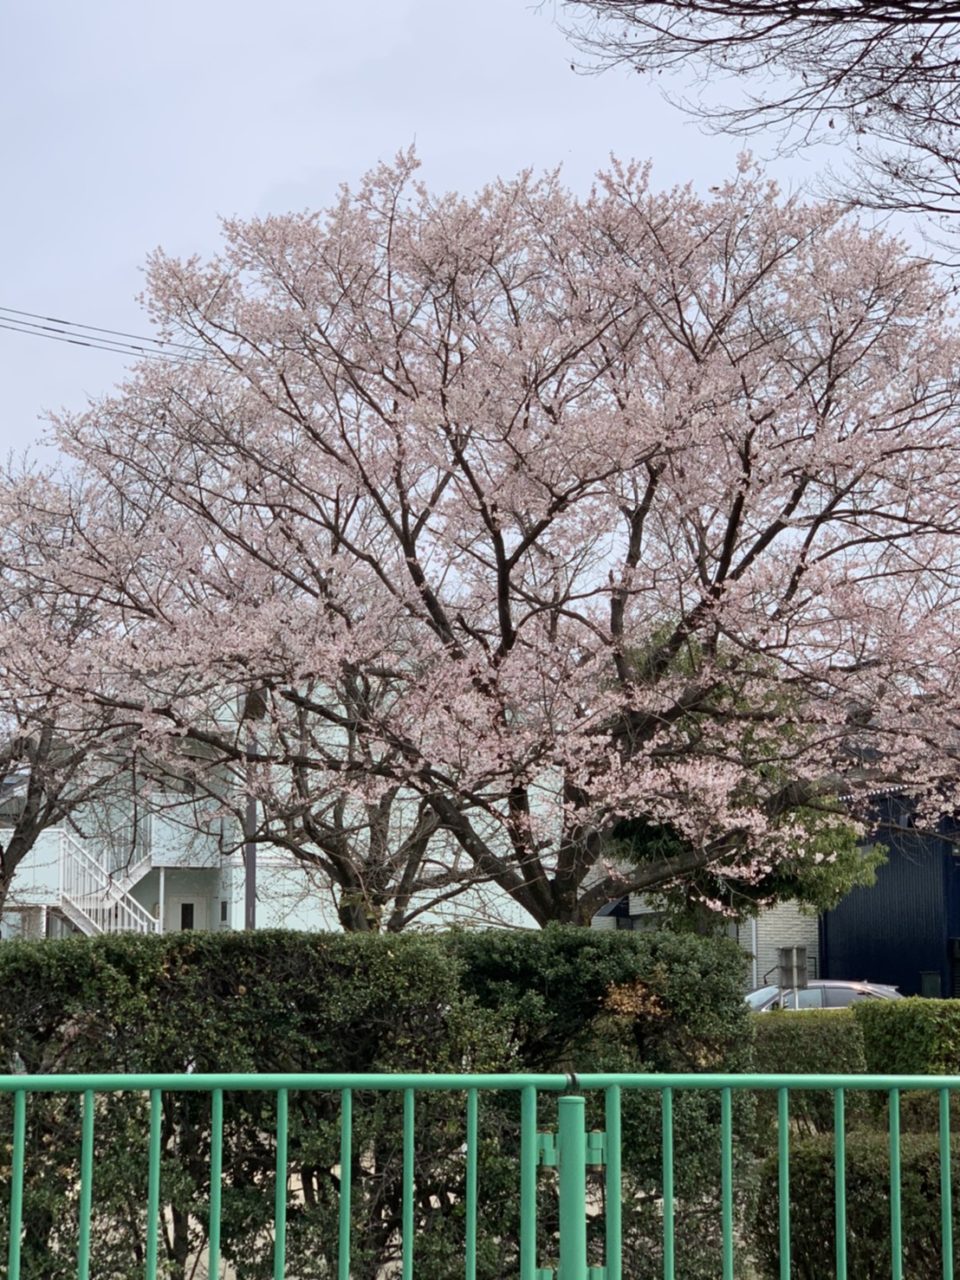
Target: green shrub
<point x="808" y="1042"/>
<point x="913" y="1037"/>
<point x="584" y="1000"/>
<point x="680" y="995"/>
<point x="238" y="1002"/>
<point x="910" y="1037"/>
<point x="812" y="1190"/>
<point x="285" y="1002"/>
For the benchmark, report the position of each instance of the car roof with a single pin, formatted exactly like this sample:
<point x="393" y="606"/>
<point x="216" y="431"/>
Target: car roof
<point x="833" y="982"/>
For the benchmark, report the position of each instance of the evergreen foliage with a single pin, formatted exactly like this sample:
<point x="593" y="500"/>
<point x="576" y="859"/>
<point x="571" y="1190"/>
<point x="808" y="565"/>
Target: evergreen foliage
<point x="571" y="1000"/>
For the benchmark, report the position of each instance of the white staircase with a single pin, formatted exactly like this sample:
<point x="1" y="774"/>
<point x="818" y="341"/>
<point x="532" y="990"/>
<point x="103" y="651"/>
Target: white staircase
<point x="94" y="900"/>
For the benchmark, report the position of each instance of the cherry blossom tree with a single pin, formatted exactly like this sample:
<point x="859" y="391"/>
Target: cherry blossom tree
<point x="548" y="514"/>
<point x="60" y="751"/>
<point x="882" y="76"/>
<point x="167" y="730"/>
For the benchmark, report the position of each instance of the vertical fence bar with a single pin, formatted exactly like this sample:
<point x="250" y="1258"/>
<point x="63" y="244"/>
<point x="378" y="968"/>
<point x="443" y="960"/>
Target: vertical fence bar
<point x="726" y="1180"/>
<point x="408" y="1149"/>
<point x="280" y="1197"/>
<point x="896" y="1231"/>
<point x="16" y="1183"/>
<point x="346" y="1175"/>
<point x="572" y="1140"/>
<point x="216" y="1183"/>
<point x="783" y="1158"/>
<point x="946" y="1189"/>
<point x="153" y="1185"/>
<point x="613" y="1237"/>
<point x="840" y="1180"/>
<point x="86" y="1185"/>
<point x="470" y="1266"/>
<point x="666" y="1116"/>
<point x="528" y="1183"/>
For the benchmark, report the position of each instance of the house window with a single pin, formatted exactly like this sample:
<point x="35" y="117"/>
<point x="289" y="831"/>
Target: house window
<point x="223" y="911"/>
<point x="186" y="915"/>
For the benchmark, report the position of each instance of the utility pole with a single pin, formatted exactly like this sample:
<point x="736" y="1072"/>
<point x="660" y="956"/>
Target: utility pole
<point x="250" y="857"/>
<point x="254" y="708"/>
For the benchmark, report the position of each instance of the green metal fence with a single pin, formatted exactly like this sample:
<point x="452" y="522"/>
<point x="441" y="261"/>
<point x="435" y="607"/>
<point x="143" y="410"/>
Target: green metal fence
<point x="569" y="1148"/>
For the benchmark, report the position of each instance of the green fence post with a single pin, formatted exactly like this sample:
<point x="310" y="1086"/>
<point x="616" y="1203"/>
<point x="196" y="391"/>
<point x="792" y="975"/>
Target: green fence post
<point x="572" y="1137"/>
<point x="613" y="1242"/>
<point x="840" y="1180"/>
<point x="473" y="1103"/>
<point x="406" y="1212"/>
<point x="896" y="1229"/>
<point x="346" y="1174"/>
<point x="669" y="1260"/>
<point x="528" y="1183"/>
<point x="86" y="1185"/>
<point x="783" y="1178"/>
<point x="946" y="1190"/>
<point x="216" y="1183"/>
<point x="153" y="1184"/>
<point x="16" y="1183"/>
<point x="726" y="1181"/>
<point x="280" y="1190"/>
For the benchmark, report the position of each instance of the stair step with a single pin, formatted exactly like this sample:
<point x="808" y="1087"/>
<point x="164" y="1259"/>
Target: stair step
<point x="95" y="901"/>
<point x="79" y="918"/>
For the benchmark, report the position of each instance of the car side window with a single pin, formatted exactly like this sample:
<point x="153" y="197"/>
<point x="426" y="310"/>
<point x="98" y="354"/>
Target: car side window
<point x="842" y="997"/>
<point x="807" y="998"/>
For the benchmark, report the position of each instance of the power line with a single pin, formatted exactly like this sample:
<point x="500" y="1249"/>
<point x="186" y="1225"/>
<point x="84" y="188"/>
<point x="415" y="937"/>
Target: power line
<point x="93" y="328"/>
<point x="107" y="344"/>
<point x="81" y="341"/>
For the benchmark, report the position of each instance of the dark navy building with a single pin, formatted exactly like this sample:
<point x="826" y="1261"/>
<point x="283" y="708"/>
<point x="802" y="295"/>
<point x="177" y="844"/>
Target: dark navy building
<point x="905" y="929"/>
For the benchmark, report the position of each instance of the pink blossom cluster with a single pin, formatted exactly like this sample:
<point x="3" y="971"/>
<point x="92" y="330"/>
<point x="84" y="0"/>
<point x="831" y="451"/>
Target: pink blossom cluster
<point x="530" y="514"/>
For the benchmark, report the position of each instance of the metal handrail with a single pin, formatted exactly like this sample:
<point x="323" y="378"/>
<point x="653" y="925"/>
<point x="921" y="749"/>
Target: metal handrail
<point x="571" y="1151"/>
<point x="94" y="892"/>
<point x="440" y="1082"/>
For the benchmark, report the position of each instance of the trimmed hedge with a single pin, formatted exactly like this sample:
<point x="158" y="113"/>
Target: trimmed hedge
<point x="577" y="1001"/>
<point x="278" y="1001"/>
<point x="679" y="998"/>
<point x="812" y="1188"/>
<point x="807" y="1041"/>
<point x="266" y="1002"/>
<point x="916" y="1036"/>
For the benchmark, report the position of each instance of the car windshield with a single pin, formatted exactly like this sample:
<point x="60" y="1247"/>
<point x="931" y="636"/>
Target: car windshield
<point x="757" y="999"/>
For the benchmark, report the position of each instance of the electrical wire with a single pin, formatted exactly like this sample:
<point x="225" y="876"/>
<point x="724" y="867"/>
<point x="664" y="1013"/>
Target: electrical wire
<point x="106" y="344"/>
<point x="93" y="328"/>
<point x="99" y="346"/>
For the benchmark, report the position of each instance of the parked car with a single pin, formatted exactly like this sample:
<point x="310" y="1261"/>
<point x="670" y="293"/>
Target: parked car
<point x="821" y="993"/>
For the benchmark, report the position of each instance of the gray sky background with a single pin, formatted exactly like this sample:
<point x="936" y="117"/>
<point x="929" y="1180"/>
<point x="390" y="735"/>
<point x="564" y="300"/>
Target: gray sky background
<point x="131" y="125"/>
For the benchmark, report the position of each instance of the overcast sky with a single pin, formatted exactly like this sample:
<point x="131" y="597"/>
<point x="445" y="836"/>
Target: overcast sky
<point x="135" y="125"/>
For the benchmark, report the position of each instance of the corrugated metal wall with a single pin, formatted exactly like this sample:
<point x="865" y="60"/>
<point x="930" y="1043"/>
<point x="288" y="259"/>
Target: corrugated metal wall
<point x="898" y="930"/>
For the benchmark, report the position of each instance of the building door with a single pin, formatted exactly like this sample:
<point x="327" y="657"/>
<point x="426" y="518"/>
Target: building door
<point x="185" y="913"/>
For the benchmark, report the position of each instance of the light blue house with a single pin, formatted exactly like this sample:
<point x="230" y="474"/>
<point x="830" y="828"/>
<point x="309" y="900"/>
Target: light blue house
<point x="109" y="873"/>
<point x="169" y="870"/>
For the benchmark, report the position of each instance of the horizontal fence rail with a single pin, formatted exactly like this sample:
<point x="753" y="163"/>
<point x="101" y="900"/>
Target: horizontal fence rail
<point x="473" y="1175"/>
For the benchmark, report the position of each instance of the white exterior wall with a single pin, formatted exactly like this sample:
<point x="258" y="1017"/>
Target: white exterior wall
<point x="640" y="905"/>
<point x="201" y="887"/>
<point x="36" y="881"/>
<point x="784" y="925"/>
<point x="176" y="840"/>
<point x="289" y="897"/>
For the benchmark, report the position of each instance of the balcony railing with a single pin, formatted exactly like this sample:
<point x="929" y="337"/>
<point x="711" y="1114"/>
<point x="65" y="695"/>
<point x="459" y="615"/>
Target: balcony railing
<point x="572" y="1153"/>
